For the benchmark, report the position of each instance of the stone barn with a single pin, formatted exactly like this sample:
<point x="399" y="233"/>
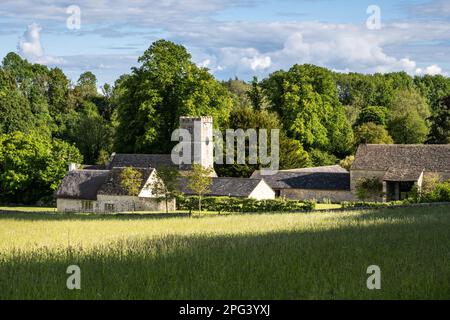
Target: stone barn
<point x="256" y="189"/>
<point x="399" y="167"/>
<point x="328" y="183"/>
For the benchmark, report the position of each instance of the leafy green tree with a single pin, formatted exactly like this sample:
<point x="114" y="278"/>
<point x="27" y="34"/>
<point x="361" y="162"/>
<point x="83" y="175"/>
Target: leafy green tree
<point x="292" y="154"/>
<point x="131" y="181"/>
<point x="15" y="112"/>
<point x="372" y="133"/>
<point x="199" y="181"/>
<point x="440" y="124"/>
<point x="32" y="166"/>
<point x="408" y="118"/>
<point x="238" y="91"/>
<point x="90" y="133"/>
<point x="322" y="158"/>
<point x="166" y="184"/>
<point x="307" y="102"/>
<point x="372" y="114"/>
<point x="256" y="95"/>
<point x="434" y="89"/>
<point x="166" y="86"/>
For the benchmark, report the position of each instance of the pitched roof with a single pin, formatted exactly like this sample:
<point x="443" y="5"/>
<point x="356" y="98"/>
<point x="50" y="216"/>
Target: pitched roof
<point x="81" y="184"/>
<point x="402" y="175"/>
<point x="319" y="178"/>
<point x="112" y="185"/>
<point x="141" y="160"/>
<point x="396" y="156"/>
<point x="233" y="187"/>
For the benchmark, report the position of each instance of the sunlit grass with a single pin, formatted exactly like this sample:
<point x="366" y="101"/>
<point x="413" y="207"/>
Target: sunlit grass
<point x="267" y="256"/>
<point x="27" y="209"/>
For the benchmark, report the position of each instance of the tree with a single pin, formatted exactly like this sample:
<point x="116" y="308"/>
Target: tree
<point x="256" y="95"/>
<point x="166" y="183"/>
<point x="32" y="166"/>
<point x="408" y="114"/>
<point x="322" y="158"/>
<point x="372" y="114"/>
<point x="372" y="133"/>
<point x="166" y="86"/>
<point x="131" y="181"/>
<point x="291" y="152"/>
<point x="440" y="124"/>
<point x="90" y="133"/>
<point x="199" y="181"/>
<point x="307" y="102"/>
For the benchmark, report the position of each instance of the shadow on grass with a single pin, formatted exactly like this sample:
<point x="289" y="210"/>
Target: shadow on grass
<point x="38" y="216"/>
<point x="364" y="214"/>
<point x="325" y="264"/>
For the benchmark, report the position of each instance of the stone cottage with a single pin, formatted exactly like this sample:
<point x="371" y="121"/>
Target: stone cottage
<point x="101" y="191"/>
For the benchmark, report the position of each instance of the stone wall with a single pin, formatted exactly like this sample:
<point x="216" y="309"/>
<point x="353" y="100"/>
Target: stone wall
<point x="318" y="195"/>
<point x="120" y="204"/>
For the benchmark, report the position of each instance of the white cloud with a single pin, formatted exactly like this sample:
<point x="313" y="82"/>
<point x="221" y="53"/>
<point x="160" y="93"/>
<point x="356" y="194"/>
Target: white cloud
<point x="30" y="47"/>
<point x="241" y="48"/>
<point x="264" y="48"/>
<point x="257" y="62"/>
<point x="430" y="70"/>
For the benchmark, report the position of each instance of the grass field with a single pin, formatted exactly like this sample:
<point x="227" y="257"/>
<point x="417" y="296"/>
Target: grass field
<point x="321" y="255"/>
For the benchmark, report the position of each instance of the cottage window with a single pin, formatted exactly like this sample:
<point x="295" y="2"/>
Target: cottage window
<point x="87" y="205"/>
<point x="109" y="207"/>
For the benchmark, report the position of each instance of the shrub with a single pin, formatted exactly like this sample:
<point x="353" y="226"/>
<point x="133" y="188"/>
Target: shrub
<point x="228" y="204"/>
<point x="363" y="204"/>
<point x="441" y="193"/>
<point x="369" y="188"/>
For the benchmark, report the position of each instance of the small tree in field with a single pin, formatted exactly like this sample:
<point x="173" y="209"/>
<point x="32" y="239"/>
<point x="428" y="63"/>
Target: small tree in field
<point x="166" y="183"/>
<point x="131" y="180"/>
<point x="199" y="181"/>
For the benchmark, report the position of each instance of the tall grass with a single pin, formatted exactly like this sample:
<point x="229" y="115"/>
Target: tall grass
<point x="273" y="256"/>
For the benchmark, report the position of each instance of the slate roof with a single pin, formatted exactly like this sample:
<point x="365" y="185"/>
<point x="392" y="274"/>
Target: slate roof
<point x="233" y="187"/>
<point x="81" y="184"/>
<point x="402" y="175"/>
<point x="112" y="186"/>
<point x="395" y="156"/>
<point x="319" y="178"/>
<point x="141" y="160"/>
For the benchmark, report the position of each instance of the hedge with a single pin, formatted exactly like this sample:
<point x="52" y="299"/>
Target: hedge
<point x="243" y="205"/>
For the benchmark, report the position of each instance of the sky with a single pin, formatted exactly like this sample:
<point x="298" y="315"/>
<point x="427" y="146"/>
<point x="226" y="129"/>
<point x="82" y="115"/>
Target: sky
<point x="232" y="38"/>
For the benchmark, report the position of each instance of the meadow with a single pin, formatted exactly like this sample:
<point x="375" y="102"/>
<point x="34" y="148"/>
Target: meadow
<point x="318" y="255"/>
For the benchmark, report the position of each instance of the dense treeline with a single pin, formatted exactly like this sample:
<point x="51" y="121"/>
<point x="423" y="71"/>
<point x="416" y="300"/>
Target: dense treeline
<point x="46" y="121"/>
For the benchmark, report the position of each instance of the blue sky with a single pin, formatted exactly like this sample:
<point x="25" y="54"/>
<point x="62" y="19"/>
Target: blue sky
<point x="232" y="38"/>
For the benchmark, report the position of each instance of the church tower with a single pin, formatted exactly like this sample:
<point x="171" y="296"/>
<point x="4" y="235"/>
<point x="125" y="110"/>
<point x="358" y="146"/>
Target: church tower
<point x="202" y="146"/>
